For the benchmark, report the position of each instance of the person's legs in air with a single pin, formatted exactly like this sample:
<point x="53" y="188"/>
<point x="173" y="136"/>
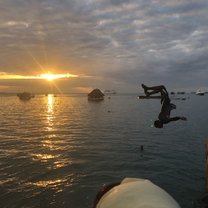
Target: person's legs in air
<point x="154" y="89"/>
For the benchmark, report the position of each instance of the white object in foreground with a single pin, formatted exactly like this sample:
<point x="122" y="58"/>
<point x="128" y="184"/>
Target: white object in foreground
<point x="137" y="193"/>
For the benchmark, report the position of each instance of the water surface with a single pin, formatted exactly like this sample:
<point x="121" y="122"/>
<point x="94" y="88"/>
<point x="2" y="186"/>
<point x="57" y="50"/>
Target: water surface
<point x="57" y="151"/>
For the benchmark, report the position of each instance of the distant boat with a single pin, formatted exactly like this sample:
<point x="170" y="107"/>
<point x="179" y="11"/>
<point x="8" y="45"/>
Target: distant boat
<point x="181" y="93"/>
<point x="199" y="92"/>
<point x="25" y="96"/>
<point x="178" y="98"/>
<point x="109" y="92"/>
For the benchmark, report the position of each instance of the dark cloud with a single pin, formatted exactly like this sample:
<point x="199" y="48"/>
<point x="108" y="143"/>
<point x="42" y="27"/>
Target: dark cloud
<point x="122" y="41"/>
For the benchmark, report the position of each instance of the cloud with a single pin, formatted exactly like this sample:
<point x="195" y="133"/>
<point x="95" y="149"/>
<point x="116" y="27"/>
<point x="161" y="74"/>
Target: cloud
<point x="123" y="42"/>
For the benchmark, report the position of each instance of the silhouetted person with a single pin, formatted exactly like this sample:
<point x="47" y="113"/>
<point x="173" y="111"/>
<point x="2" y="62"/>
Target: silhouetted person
<point x="164" y="116"/>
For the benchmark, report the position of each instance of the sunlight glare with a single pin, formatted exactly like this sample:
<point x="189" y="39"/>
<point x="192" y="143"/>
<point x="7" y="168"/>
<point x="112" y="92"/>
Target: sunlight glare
<point x="47" y="76"/>
<point x="51" y="77"/>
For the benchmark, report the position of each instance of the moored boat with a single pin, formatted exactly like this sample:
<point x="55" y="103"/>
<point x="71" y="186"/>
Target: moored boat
<point x="199" y="92"/>
<point x="25" y="96"/>
<point x="109" y="92"/>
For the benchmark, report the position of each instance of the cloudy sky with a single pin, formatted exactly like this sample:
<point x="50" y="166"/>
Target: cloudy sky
<point x="106" y="44"/>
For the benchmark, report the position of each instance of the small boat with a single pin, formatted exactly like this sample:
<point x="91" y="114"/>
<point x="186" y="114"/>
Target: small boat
<point x="199" y="92"/>
<point x="25" y="96"/>
<point x="179" y="98"/>
<point x="109" y="92"/>
<point x="181" y="93"/>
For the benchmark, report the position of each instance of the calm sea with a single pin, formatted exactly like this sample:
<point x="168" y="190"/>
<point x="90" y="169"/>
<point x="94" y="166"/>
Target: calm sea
<point x="57" y="151"/>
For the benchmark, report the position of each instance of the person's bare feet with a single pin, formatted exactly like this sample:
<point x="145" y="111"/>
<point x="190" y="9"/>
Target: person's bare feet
<point x="145" y="89"/>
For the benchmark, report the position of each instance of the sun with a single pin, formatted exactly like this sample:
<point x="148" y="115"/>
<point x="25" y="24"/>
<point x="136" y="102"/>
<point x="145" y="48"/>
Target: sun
<point x="49" y="77"/>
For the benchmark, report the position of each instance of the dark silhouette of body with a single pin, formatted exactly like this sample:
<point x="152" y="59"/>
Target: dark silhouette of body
<point x="167" y="106"/>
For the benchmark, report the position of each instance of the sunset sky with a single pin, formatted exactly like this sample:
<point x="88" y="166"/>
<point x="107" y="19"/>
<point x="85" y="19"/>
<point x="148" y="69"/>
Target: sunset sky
<point x="106" y="44"/>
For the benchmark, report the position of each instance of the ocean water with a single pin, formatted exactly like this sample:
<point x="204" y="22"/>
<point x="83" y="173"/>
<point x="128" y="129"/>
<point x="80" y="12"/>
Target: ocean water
<point x="57" y="151"/>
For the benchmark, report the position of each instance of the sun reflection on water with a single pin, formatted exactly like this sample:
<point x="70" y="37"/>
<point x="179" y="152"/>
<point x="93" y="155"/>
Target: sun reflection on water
<point x="58" y="184"/>
<point x="44" y="157"/>
<point x="50" y="103"/>
<point x="51" y="152"/>
<point x="51" y="183"/>
<point x="50" y="112"/>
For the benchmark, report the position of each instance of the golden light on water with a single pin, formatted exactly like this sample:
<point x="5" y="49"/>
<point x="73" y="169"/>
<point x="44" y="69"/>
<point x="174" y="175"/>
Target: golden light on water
<point x="49" y="116"/>
<point x="52" y="146"/>
<point x="47" y="142"/>
<point x="44" y="157"/>
<point x="50" y="103"/>
<point x="56" y="183"/>
<point x="50" y="183"/>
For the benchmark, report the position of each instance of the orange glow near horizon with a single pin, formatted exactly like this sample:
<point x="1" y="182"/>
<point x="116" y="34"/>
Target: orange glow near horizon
<point x="51" y="77"/>
<point x="47" y="76"/>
